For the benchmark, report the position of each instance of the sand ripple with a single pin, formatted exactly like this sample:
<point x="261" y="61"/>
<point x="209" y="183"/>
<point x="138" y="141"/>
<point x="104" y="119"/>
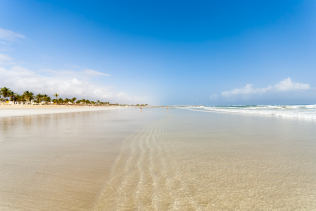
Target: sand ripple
<point x="163" y="168"/>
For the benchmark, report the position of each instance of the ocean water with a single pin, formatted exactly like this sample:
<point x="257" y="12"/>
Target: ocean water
<point x="286" y="111"/>
<point x="157" y="159"/>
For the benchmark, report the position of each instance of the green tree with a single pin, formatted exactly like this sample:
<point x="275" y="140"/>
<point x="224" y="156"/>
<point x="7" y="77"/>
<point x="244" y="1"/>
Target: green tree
<point x="29" y="96"/>
<point x="48" y="99"/>
<point x="56" y="95"/>
<point x="25" y="95"/>
<point x="12" y="96"/>
<point x="5" y="92"/>
<point x="60" y="100"/>
<point x="18" y="98"/>
<point x="39" y="98"/>
<point x="22" y="98"/>
<point x="73" y="100"/>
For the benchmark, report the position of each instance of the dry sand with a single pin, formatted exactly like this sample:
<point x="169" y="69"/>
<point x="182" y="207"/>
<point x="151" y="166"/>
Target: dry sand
<point x="24" y="110"/>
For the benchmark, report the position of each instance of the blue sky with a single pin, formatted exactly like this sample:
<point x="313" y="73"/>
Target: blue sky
<point x="161" y="52"/>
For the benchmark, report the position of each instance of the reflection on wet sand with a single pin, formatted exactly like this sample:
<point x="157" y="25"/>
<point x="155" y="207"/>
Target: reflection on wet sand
<point x="170" y="160"/>
<point x="196" y="161"/>
<point x="60" y="161"/>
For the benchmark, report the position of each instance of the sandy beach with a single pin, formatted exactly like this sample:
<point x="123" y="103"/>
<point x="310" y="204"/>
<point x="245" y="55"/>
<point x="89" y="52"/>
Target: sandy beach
<point x="60" y="161"/>
<point x="156" y="159"/>
<point x="24" y="110"/>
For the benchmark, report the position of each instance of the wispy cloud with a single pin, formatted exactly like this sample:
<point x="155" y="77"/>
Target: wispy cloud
<point x="20" y="79"/>
<point x="75" y="74"/>
<point x="5" y="59"/>
<point x="286" y="91"/>
<point x="95" y="73"/>
<point x="8" y="35"/>
<point x="285" y="85"/>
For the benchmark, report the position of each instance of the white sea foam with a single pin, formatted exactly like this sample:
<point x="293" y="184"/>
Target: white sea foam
<point x="287" y="111"/>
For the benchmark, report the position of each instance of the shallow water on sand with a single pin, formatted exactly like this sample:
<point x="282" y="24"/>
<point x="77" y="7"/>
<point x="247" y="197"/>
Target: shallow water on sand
<point x="198" y="161"/>
<point x="61" y="161"/>
<point x="170" y="160"/>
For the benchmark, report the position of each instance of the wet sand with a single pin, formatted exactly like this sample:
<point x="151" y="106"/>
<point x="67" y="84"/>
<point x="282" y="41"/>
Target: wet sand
<point x="61" y="161"/>
<point x="125" y="159"/>
<point x="207" y="161"/>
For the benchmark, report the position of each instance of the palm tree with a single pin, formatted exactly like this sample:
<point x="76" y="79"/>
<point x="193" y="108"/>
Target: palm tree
<point x="60" y="100"/>
<point x="28" y="96"/>
<point x="5" y="92"/>
<point x="22" y="98"/>
<point x="25" y="95"/>
<point x="44" y="97"/>
<point x="12" y="96"/>
<point x="47" y="99"/>
<point x="18" y="98"/>
<point x="56" y="95"/>
<point x="73" y="100"/>
<point x="39" y="98"/>
<point x="31" y="96"/>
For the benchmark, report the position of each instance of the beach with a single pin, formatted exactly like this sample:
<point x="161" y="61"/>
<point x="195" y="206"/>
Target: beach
<point x="24" y="110"/>
<point x="156" y="159"/>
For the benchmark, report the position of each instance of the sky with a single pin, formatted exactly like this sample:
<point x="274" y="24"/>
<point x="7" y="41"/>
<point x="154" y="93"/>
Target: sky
<point x="161" y="52"/>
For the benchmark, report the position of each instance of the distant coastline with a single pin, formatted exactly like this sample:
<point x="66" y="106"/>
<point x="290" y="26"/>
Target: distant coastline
<point x="9" y="97"/>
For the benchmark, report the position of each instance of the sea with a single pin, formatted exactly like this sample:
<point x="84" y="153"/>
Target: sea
<point x="286" y="111"/>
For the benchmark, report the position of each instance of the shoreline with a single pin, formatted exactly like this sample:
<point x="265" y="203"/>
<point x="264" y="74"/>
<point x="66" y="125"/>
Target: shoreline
<point x="25" y="110"/>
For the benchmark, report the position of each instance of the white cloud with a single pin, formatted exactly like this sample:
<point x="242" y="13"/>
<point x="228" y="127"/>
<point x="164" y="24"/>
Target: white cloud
<point x="20" y="79"/>
<point x="95" y="73"/>
<point x="4" y="59"/>
<point x="75" y="74"/>
<point x="285" y="85"/>
<point x="9" y="35"/>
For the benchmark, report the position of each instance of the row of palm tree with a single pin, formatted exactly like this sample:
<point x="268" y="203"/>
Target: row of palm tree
<point x="43" y="98"/>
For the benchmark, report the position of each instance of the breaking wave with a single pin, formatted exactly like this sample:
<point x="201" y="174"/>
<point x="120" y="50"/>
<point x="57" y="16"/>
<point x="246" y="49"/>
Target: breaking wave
<point x="287" y="111"/>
